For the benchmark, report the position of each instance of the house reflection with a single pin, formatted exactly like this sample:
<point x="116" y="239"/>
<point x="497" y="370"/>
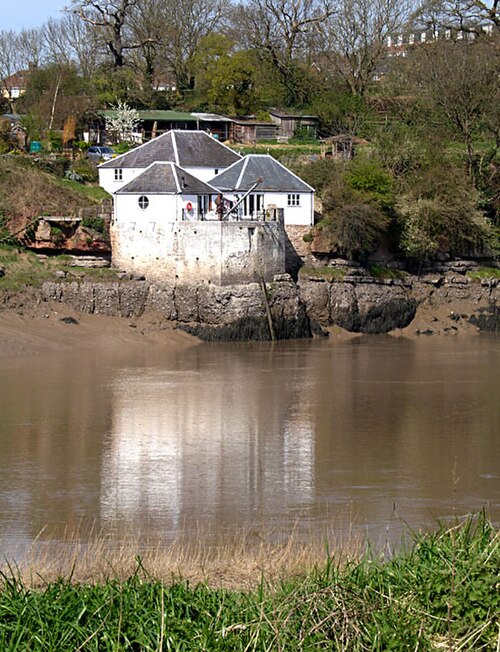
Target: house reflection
<point x="207" y="442"/>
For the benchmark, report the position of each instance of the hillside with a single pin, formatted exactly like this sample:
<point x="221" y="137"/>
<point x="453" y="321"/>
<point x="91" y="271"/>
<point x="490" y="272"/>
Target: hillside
<point x="34" y="186"/>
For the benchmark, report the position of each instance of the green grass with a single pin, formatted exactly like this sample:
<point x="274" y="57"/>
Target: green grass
<point x="327" y="273"/>
<point x="442" y="593"/>
<point x="379" y="271"/>
<point x="484" y="272"/>
<point x="87" y="191"/>
<point x="24" y="268"/>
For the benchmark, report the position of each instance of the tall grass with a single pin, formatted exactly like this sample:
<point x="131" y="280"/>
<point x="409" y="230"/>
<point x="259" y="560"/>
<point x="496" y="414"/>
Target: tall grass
<point x="440" y="594"/>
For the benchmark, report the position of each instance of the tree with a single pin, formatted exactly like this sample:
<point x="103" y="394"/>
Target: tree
<point x="185" y="23"/>
<point x="354" y="38"/>
<point x="357" y="207"/>
<point x="470" y="16"/>
<point x="71" y="41"/>
<point x="281" y="32"/>
<point x="225" y="78"/>
<point x="439" y="213"/>
<point x="123" y="122"/>
<point x="11" y="62"/>
<point x="459" y="81"/>
<point x="111" y="20"/>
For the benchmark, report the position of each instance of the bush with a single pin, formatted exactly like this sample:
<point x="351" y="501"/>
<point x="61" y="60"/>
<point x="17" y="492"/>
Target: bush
<point x="356" y="229"/>
<point x="440" y="214"/>
<point x="86" y="170"/>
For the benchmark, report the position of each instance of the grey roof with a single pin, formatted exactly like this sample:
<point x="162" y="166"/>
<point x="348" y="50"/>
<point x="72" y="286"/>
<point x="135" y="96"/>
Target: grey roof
<point x="183" y="147"/>
<point x="275" y="176"/>
<point x="166" y="179"/>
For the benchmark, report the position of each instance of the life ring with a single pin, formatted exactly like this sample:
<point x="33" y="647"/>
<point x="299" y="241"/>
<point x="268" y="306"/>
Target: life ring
<point x="189" y="206"/>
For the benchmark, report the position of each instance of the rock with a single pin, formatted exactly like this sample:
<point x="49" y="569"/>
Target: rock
<point x="68" y="320"/>
<point x="60" y="273"/>
<point x="2" y="272"/>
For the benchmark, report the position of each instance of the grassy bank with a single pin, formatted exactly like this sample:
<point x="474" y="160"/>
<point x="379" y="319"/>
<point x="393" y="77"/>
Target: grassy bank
<point x="440" y="594"/>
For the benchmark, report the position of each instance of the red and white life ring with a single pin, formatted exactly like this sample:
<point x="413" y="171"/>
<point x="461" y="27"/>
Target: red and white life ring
<point x="189" y="206"/>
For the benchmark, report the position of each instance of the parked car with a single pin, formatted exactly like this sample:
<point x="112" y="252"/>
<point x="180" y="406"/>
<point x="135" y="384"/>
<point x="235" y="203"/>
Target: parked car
<point x="100" y="153"/>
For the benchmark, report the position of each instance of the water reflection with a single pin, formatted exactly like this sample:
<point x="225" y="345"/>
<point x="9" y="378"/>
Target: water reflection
<point x="253" y="435"/>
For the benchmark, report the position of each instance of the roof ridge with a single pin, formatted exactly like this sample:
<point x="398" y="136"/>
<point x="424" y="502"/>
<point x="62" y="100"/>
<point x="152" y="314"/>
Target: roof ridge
<point x="174" y="144"/>
<point x="243" y="169"/>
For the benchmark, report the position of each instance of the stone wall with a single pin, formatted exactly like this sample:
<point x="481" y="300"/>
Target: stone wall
<point x="221" y="253"/>
<point x="238" y="311"/>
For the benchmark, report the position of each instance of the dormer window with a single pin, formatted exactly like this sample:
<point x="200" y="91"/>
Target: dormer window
<point x="143" y="202"/>
<point x="118" y="174"/>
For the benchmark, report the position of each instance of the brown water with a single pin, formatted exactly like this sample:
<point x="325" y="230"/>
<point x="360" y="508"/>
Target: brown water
<point x="267" y="437"/>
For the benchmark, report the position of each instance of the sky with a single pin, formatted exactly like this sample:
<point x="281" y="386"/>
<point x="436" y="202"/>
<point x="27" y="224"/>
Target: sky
<point x="19" y="14"/>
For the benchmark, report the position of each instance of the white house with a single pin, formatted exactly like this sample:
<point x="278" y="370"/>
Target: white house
<point x="165" y="226"/>
<point x="189" y="209"/>
<point x="195" y="151"/>
<point x="277" y="188"/>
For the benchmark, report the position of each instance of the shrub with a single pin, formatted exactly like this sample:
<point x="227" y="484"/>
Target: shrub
<point x="439" y="213"/>
<point x="86" y="170"/>
<point x="356" y="229"/>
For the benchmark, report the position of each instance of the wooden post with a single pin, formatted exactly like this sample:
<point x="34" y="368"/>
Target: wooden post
<point x="268" y="309"/>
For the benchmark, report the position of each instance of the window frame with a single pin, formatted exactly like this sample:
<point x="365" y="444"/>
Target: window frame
<point x="293" y="199"/>
<point x="143" y="202"/>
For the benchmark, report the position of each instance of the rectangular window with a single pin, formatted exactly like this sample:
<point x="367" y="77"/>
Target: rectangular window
<point x="118" y="174"/>
<point x="293" y="200"/>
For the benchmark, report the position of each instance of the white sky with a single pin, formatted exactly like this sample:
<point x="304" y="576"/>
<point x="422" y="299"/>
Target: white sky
<point x="18" y="14"/>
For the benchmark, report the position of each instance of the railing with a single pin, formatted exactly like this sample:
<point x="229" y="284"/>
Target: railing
<point x="267" y="215"/>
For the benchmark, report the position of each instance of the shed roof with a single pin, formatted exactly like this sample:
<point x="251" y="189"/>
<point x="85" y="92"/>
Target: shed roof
<point x="161" y="115"/>
<point x="183" y="147"/>
<point x="163" y="178"/>
<point x="275" y="176"/>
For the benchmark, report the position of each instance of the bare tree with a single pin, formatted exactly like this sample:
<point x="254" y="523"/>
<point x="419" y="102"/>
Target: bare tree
<point x="354" y="37"/>
<point x="111" y="19"/>
<point x="71" y="41"/>
<point x="32" y="47"/>
<point x="469" y="16"/>
<point x="461" y="81"/>
<point x="185" y="22"/>
<point x="11" y="62"/>
<point x="281" y="31"/>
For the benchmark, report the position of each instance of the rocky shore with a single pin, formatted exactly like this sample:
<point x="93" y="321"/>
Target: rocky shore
<point x="412" y="306"/>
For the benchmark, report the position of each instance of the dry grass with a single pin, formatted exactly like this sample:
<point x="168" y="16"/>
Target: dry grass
<point x="239" y="561"/>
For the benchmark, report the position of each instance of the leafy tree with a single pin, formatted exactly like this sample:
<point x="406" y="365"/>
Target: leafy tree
<point x="357" y="208"/>
<point x="439" y="214"/>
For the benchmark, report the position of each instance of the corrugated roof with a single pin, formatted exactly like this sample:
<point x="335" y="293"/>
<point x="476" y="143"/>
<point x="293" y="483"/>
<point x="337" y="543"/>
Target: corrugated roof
<point x="275" y="177"/>
<point x="146" y="114"/>
<point x="166" y="179"/>
<point x="185" y="148"/>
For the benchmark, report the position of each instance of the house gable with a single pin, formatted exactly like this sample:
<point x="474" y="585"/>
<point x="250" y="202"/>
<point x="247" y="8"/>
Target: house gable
<point x="166" y="178"/>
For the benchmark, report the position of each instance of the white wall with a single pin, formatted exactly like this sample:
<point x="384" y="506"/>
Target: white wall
<point x="195" y="252"/>
<point x="302" y="215"/>
<point x="107" y="178"/>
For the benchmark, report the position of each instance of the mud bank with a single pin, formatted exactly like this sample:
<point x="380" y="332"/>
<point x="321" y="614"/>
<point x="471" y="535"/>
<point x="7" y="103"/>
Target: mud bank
<point x="413" y="306"/>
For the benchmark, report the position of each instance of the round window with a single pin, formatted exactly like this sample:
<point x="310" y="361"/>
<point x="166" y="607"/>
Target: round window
<point x="143" y="202"/>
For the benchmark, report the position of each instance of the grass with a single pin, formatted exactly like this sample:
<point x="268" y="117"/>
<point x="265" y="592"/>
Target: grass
<point x="24" y="268"/>
<point x="379" y="271"/>
<point x="26" y="191"/>
<point x="484" y="272"/>
<point x="327" y="273"/>
<point x="440" y="594"/>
